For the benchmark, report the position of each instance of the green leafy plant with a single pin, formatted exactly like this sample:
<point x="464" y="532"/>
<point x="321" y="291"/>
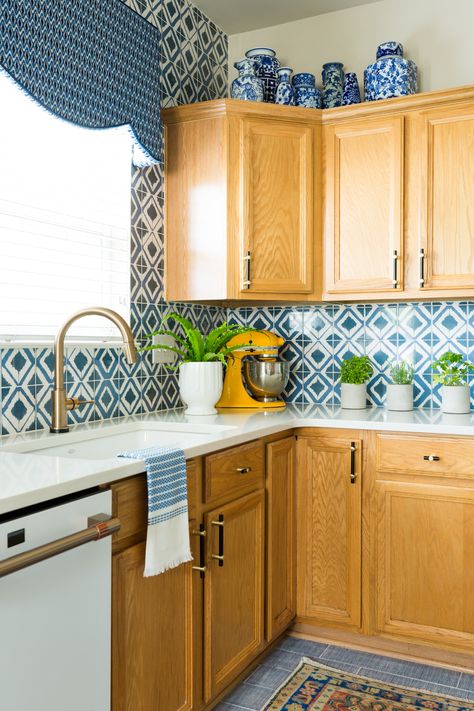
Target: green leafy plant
<point x="452" y="369"/>
<point x="356" y="370"/>
<point x="402" y="372"/>
<point x="194" y="347"/>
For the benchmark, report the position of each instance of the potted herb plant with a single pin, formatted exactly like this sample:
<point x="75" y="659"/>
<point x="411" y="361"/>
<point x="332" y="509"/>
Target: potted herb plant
<point x="452" y="372"/>
<point x="201" y="360"/>
<point x="400" y="390"/>
<point x="355" y="372"/>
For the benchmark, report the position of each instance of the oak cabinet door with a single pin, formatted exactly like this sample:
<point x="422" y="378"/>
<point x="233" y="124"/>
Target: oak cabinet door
<point x="277" y="231"/>
<point x="329" y="530"/>
<point x="447" y="199"/>
<point x="152" y="632"/>
<point x="233" y="590"/>
<point x="281" y="539"/>
<point x="363" y="230"/>
<point x="425" y="563"/>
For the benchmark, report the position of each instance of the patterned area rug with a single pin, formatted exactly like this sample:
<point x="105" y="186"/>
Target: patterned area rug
<point x="320" y="688"/>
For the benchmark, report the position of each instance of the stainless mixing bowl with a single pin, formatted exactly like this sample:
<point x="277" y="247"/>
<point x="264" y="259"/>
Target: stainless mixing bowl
<point x="266" y="378"/>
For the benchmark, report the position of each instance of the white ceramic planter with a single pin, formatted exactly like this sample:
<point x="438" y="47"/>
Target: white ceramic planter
<point x="456" y="399"/>
<point x="200" y="387"/>
<point x="399" y="397"/>
<point x="353" y="397"/>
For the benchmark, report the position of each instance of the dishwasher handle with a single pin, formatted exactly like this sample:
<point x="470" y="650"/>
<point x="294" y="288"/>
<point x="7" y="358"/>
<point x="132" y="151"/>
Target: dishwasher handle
<point x="99" y="526"/>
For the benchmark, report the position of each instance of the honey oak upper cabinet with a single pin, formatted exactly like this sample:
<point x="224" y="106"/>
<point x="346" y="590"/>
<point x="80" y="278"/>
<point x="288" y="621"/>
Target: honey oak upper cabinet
<point x="363" y="222"/>
<point x="446" y="226"/>
<point x="242" y="202"/>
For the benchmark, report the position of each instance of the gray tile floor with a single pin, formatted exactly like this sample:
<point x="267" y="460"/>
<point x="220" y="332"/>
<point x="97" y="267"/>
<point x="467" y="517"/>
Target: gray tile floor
<point x="257" y="688"/>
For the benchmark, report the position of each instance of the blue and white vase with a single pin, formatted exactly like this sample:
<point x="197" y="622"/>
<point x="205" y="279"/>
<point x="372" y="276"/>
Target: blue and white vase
<point x="266" y="70"/>
<point x="350" y="91"/>
<point x="285" y="94"/>
<point x="307" y="94"/>
<point x="391" y="74"/>
<point x="333" y="78"/>
<point x="247" y="86"/>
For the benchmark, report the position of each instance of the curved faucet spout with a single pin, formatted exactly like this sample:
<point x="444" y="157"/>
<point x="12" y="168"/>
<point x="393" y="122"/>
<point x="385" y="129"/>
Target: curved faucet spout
<point x="60" y="403"/>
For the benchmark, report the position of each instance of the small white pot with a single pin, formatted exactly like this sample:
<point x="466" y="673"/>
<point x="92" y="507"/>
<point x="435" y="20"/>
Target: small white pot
<point x="200" y="387"/>
<point x="353" y="397"/>
<point x="399" y="397"/>
<point x="456" y="399"/>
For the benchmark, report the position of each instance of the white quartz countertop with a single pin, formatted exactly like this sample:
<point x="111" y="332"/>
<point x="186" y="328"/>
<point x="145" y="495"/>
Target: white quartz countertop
<point x="30" y="478"/>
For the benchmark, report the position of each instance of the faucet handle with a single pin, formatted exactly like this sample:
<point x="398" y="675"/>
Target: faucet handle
<point x="73" y="403"/>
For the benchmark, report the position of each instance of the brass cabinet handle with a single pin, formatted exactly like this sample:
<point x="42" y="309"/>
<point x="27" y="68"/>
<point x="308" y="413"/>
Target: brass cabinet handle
<point x="395" y="269"/>
<point x="431" y="458"/>
<point x="220" y="555"/>
<point x="99" y="527"/>
<point x="246" y="281"/>
<point x="353" y="471"/>
<point x="202" y="550"/>
<point x="243" y="470"/>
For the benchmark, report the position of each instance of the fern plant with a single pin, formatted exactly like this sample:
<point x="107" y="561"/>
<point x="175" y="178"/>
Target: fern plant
<point x="193" y="347"/>
<point x="452" y="369"/>
<point x="402" y="372"/>
<point x="356" y="370"/>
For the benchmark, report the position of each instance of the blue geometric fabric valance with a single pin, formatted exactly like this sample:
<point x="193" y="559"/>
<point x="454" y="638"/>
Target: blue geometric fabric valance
<point x="93" y="62"/>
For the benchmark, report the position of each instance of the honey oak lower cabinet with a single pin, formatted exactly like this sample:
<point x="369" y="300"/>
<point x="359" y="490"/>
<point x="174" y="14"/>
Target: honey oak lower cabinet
<point x="329" y="529"/>
<point x="424" y="541"/>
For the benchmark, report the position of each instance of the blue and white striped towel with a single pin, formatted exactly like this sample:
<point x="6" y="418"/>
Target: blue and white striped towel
<point x="167" y="542"/>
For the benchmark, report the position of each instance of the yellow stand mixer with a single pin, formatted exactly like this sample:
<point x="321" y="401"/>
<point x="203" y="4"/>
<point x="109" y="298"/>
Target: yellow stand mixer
<point x="256" y="377"/>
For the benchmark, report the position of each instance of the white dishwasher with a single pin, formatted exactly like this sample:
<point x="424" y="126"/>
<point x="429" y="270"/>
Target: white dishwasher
<point x="55" y="605"/>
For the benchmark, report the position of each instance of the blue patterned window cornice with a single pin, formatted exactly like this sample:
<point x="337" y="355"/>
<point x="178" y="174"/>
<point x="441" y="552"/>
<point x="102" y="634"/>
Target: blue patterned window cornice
<point x="95" y="63"/>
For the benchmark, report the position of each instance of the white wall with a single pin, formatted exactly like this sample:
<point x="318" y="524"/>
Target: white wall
<point x="436" y="34"/>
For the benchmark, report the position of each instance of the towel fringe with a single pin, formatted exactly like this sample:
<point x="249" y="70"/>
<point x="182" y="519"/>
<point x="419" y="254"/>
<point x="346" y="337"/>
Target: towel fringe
<point x="171" y="564"/>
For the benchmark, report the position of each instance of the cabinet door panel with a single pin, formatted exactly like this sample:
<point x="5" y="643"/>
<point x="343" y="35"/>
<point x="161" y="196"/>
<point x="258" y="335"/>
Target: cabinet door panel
<point x="447" y="226"/>
<point x="425" y="568"/>
<point x="364" y="206"/>
<point x="281" y="573"/>
<point x="277" y="210"/>
<point x="152" y="636"/>
<point x="329" y="531"/>
<point x="233" y="592"/>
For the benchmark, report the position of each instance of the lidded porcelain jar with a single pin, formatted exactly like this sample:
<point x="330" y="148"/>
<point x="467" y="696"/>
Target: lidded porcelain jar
<point x="267" y="66"/>
<point x="391" y="74"/>
<point x="307" y="94"/>
<point x="247" y="86"/>
<point x="285" y="94"/>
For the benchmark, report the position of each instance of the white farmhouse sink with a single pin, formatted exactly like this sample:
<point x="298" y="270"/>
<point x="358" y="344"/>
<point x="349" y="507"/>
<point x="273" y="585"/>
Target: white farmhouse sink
<point x="108" y="442"/>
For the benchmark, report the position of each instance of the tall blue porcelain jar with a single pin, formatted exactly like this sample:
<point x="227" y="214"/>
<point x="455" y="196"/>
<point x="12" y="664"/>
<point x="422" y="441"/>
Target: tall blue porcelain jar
<point x="350" y="91"/>
<point x="266" y="70"/>
<point x="307" y="94"/>
<point x="333" y="78"/>
<point x="391" y="74"/>
<point x="247" y="86"/>
<point x="285" y="94"/>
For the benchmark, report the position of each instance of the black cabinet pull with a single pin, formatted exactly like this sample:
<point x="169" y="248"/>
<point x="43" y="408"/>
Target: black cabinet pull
<point x="353" y="471"/>
<point x="422" y="268"/>
<point x="395" y="269"/>
<point x="431" y="458"/>
<point x="246" y="282"/>
<point x="202" y="550"/>
<point x="220" y="555"/>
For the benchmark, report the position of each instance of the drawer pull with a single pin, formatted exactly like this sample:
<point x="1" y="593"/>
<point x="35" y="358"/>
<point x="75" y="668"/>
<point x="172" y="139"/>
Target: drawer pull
<point x="431" y="458"/>
<point x="243" y="470"/>
<point x="220" y="554"/>
<point x="202" y="553"/>
<point x="353" y="472"/>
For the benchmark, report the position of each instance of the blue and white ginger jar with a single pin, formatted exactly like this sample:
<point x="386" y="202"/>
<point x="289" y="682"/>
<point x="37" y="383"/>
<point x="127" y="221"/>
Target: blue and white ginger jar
<point x="333" y="79"/>
<point x="391" y="74"/>
<point x="285" y="94"/>
<point x="266" y="70"/>
<point x="247" y="86"/>
<point x="307" y="94"/>
<point x="351" y="90"/>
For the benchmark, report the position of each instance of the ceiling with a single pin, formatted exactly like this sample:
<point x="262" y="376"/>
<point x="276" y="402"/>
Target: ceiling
<point x="234" y="16"/>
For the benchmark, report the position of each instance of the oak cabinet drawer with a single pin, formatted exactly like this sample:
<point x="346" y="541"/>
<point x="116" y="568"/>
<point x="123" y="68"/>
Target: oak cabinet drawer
<point x="130" y="504"/>
<point x="234" y="471"/>
<point x="439" y="456"/>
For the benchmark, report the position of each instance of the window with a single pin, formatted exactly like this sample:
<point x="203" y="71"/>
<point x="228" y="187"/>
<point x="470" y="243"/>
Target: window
<point x="64" y="221"/>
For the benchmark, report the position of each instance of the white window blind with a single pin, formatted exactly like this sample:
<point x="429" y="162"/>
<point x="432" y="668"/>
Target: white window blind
<point x="64" y="221"/>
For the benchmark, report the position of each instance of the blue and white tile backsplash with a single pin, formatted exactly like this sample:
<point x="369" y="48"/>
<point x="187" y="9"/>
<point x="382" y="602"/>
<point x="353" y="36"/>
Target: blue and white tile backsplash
<point x="319" y="337"/>
<point x="193" y="65"/>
